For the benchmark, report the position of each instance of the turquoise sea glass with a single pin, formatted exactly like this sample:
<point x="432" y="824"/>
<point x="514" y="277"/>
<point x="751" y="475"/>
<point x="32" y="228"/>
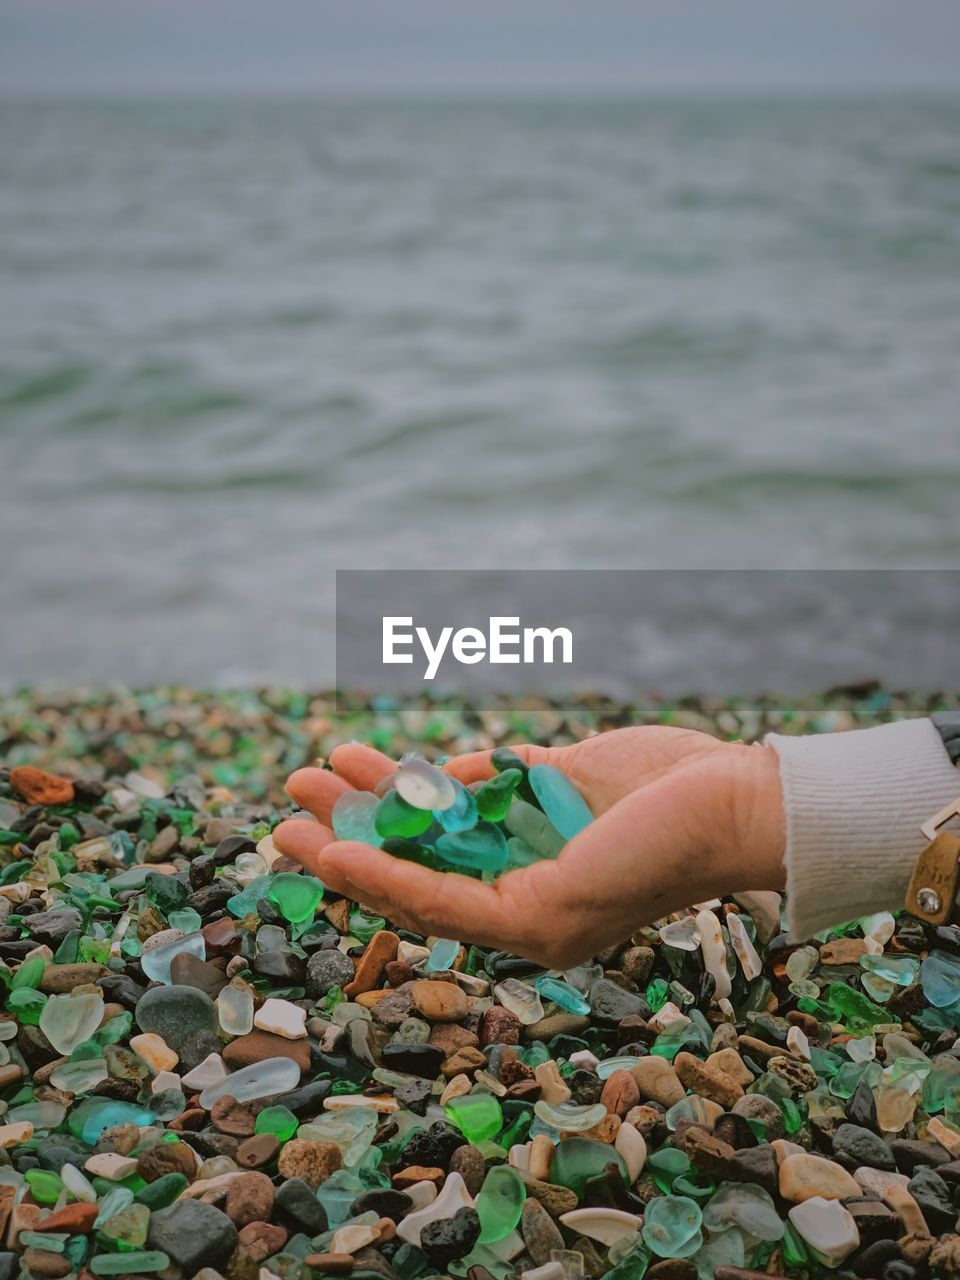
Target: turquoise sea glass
<point x="560" y="800"/>
<point x="354" y="817"/>
<point x="562" y="994"/>
<point x="671" y="1226"/>
<point x="482" y="848"/>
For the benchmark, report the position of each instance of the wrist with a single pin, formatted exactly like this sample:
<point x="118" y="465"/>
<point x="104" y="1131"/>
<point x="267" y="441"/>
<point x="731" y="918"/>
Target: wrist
<point x="756" y="841"/>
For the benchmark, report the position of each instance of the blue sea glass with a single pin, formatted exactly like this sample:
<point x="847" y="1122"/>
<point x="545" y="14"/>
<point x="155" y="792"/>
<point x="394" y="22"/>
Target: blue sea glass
<point x="462" y="814"/>
<point x="560" y="800"/>
<point x="442" y="955"/>
<point x="940" y="979"/>
<point x="562" y="994"/>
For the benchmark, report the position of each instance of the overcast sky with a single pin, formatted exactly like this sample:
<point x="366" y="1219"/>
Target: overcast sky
<point x="428" y="45"/>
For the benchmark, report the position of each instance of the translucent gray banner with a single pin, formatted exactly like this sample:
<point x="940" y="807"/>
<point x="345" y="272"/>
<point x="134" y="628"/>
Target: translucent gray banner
<point x="626" y="631"/>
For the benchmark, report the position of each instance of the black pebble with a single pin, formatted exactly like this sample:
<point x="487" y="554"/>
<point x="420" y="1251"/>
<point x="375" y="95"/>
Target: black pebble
<point x="414" y="1059"/>
<point x="432" y="1147"/>
<point x="384" y="1202"/>
<point x="298" y="1208"/>
<point x="447" y="1239"/>
<point x="415" y="1095"/>
<point x="869" y="1262"/>
<point x="854" y="1145"/>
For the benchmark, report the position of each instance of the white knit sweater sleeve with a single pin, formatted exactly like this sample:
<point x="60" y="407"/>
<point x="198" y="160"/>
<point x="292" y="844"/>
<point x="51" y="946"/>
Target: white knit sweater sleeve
<point x="854" y="804"/>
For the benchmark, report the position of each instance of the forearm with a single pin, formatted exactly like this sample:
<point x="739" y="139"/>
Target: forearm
<point x="853" y="804"/>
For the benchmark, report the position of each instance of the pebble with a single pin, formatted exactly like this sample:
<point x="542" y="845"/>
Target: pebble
<point x="804" y="1177"/>
<point x="827" y="1228"/>
<point x="313" y="1162"/>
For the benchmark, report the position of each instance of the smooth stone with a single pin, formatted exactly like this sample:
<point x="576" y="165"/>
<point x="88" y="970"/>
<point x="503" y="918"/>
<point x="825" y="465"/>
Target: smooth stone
<point x="540" y="1233"/>
<point x="805" y="1177"/>
<point x="325" y="970"/>
<point x="604" y="1225"/>
<point x="192" y="1234"/>
<point x="176" y="1014"/>
<point x="827" y="1228"/>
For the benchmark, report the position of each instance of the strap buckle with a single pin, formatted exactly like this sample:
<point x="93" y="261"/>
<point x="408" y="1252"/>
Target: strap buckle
<point x="932" y="825"/>
<point x="936" y="877"/>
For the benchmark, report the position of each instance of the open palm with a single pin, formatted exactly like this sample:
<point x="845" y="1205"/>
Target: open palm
<point x="679" y="817"/>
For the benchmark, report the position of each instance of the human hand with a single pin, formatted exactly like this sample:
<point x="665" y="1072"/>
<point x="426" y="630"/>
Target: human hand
<point x="679" y="818"/>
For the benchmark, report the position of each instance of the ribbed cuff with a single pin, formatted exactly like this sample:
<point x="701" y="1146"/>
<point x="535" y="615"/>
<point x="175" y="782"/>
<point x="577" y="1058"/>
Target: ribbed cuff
<point x="854" y="804"/>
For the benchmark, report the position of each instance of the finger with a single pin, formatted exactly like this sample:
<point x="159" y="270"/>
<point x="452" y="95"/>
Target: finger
<point x="290" y="837"/>
<point x="317" y="790"/>
<point x="363" y="767"/>
<point x="475" y="766"/>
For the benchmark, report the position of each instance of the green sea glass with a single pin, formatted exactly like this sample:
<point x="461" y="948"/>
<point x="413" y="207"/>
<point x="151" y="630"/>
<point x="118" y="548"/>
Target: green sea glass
<point x="132" y="1263"/>
<point x="88" y="1119"/>
<point x="500" y="1203"/>
<point x="297" y="896"/>
<point x="394" y="817"/>
<point x="493" y="798"/>
<point x="576" y="1160"/>
<point x="478" y="1116"/>
<point x="278" y="1120"/>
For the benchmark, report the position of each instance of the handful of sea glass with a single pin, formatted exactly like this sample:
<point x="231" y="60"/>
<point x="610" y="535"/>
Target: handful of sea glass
<point x="519" y="816"/>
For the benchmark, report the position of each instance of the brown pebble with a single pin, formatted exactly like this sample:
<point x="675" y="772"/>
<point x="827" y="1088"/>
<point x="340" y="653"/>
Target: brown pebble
<point x="10" y="1074"/>
<point x="439" y="1001"/>
<point x="525" y="1091"/>
<point x="398" y="972"/>
<point x="167" y="1157"/>
<point x="230" y="1116"/>
<point x="463" y="1061"/>
<point x="257" y="1045"/>
<point x="122" y="1139"/>
<point x="843" y="951"/>
<point x="469" y="1163"/>
<point x="74" y="1219"/>
<point x="257" y="1151"/>
<point x="59" y="979"/>
<point x="381" y="949"/>
<point x="449" y="1037"/>
<point x="706" y="1081"/>
<point x="314" y="1162"/>
<point x="619" y="1093"/>
<point x="249" y="1199"/>
<point x="499" y="1026"/>
<point x="336" y="1264"/>
<point x="418" y="1173"/>
<point x="657" y="1080"/>
<point x="38" y="787"/>
<point x="220" y="937"/>
<point x="261" y="1240"/>
<point x="43" y="1263"/>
